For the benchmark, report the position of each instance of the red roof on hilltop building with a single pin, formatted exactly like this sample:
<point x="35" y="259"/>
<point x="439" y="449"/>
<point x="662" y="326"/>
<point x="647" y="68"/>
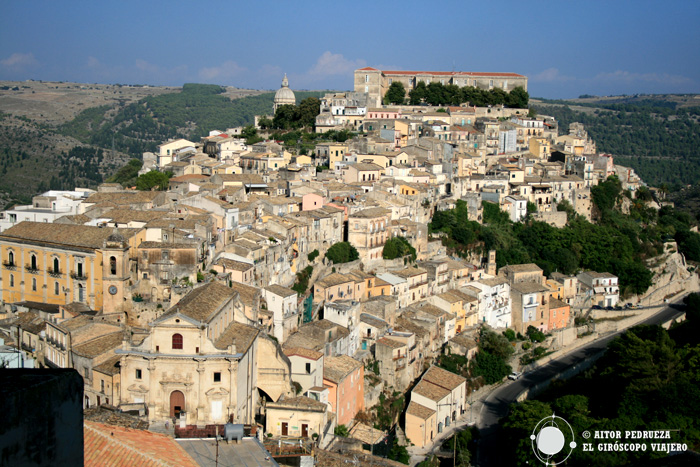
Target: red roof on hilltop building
<point x="443" y="73"/>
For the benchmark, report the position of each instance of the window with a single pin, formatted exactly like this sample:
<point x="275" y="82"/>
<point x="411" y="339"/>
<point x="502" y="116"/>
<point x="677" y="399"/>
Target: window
<point x="80" y="269"/>
<point x="55" y="265"/>
<point x="217" y="377"/>
<point x="113" y="265"/>
<point x="177" y="341"/>
<point x="308" y="368"/>
<point x="33" y="261"/>
<point x="102" y="385"/>
<point x="12" y="280"/>
<point x="33" y="285"/>
<point x="165" y="255"/>
<point x="366" y="78"/>
<point x="165" y="237"/>
<point x="55" y="288"/>
<point x="11" y="259"/>
<point x="138" y="373"/>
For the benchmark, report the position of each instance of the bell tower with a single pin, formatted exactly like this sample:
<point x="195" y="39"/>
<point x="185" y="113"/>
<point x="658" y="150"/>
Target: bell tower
<point x="491" y="263"/>
<point x="115" y="274"/>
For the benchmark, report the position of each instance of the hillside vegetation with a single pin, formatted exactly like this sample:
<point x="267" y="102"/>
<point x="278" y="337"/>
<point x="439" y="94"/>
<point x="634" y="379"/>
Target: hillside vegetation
<point x="657" y="137"/>
<point x="618" y="243"/>
<point x="190" y="114"/>
<point x="63" y="135"/>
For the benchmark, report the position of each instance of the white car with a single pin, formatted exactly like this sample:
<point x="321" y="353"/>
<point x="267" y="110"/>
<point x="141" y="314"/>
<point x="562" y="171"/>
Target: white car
<point x="515" y="375"/>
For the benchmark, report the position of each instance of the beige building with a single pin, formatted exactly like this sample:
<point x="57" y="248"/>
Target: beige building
<point x="199" y="363"/>
<point x="63" y="263"/>
<point x="377" y="82"/>
<point x="436" y="402"/>
<point x="368" y="231"/>
<point x="299" y="417"/>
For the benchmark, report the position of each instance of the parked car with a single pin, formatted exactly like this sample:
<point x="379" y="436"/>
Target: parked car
<point x="515" y="375"/>
<point x="597" y="307"/>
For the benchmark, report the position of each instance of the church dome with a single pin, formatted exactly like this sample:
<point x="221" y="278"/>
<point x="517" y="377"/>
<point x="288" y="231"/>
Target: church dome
<point x="284" y="95"/>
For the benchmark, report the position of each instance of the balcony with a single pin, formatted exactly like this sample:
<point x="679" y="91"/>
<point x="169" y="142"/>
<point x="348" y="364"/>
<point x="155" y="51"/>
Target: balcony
<point x="9" y="266"/>
<point x="31" y="270"/>
<point x="78" y="277"/>
<point x="55" y="273"/>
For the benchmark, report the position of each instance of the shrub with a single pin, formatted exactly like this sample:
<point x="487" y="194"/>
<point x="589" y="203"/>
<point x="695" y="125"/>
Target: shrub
<point x="510" y="334"/>
<point x="342" y="252"/>
<point x="313" y="255"/>
<point x="398" y="247"/>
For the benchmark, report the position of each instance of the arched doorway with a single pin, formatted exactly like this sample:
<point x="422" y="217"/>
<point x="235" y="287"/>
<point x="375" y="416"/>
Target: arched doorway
<point x="177" y="403"/>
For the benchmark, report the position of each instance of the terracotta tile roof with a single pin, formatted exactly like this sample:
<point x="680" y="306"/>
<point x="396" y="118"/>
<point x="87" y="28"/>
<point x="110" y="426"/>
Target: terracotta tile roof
<point x="124" y="197"/>
<point x="280" y="291"/>
<point x="233" y="264"/>
<point x="109" y="415"/>
<point x="248" y="293"/>
<point x="203" y="301"/>
<point x="67" y="235"/>
<point x="394" y="344"/>
<point x="29" y="321"/>
<point x="371" y="213"/>
<point x="335" y="278"/>
<point x="302" y="352"/>
<point x="298" y="403"/>
<point x="443" y="378"/>
<point x="528" y="267"/>
<point x="431" y="391"/>
<point x="451" y="73"/>
<point x="239" y="334"/>
<point x="110" y="367"/>
<point x="336" y="369"/>
<point x="123" y="216"/>
<point x="99" y="345"/>
<point x="419" y="411"/>
<point x="109" y="445"/>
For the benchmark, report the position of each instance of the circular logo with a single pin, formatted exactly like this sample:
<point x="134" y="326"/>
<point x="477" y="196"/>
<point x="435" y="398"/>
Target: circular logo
<point x="549" y="440"/>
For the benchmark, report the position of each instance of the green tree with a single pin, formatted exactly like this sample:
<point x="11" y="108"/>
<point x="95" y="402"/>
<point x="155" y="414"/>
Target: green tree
<point x="396" y="94"/>
<point x="153" y="180"/>
<point x="517" y="428"/>
<point x="417" y="94"/>
<point x="309" y="109"/>
<point x="518" y="98"/>
<point x="127" y="175"/>
<point x="265" y="123"/>
<point x="342" y="252"/>
<point x="398" y="247"/>
<point x="250" y="133"/>
<point x="342" y="430"/>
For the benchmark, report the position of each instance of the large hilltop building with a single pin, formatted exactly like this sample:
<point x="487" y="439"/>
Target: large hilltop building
<point x="376" y="82"/>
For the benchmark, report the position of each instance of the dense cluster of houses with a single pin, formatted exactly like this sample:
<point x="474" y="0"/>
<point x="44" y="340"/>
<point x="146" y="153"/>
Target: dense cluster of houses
<point x="179" y="304"/>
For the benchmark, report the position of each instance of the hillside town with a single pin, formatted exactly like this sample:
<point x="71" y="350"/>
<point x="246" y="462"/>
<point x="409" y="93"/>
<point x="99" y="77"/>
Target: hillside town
<point x="302" y="294"/>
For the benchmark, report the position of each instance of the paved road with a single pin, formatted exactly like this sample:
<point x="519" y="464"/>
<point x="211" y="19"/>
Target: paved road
<point x="497" y="404"/>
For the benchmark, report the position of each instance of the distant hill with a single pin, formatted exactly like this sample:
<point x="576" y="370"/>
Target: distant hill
<point x="57" y="135"/>
<point x="657" y="135"/>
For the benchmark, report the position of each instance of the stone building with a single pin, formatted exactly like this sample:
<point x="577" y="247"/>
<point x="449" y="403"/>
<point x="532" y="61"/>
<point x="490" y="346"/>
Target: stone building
<point x="377" y="82"/>
<point x="63" y="263"/>
<point x="197" y="364"/>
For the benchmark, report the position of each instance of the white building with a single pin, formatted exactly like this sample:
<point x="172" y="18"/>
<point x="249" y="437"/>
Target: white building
<point x="494" y="301"/>
<point x="46" y="207"/>
<point x="602" y="287"/>
<point x="283" y="304"/>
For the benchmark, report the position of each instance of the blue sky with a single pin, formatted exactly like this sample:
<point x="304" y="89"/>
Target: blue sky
<point x="566" y="48"/>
